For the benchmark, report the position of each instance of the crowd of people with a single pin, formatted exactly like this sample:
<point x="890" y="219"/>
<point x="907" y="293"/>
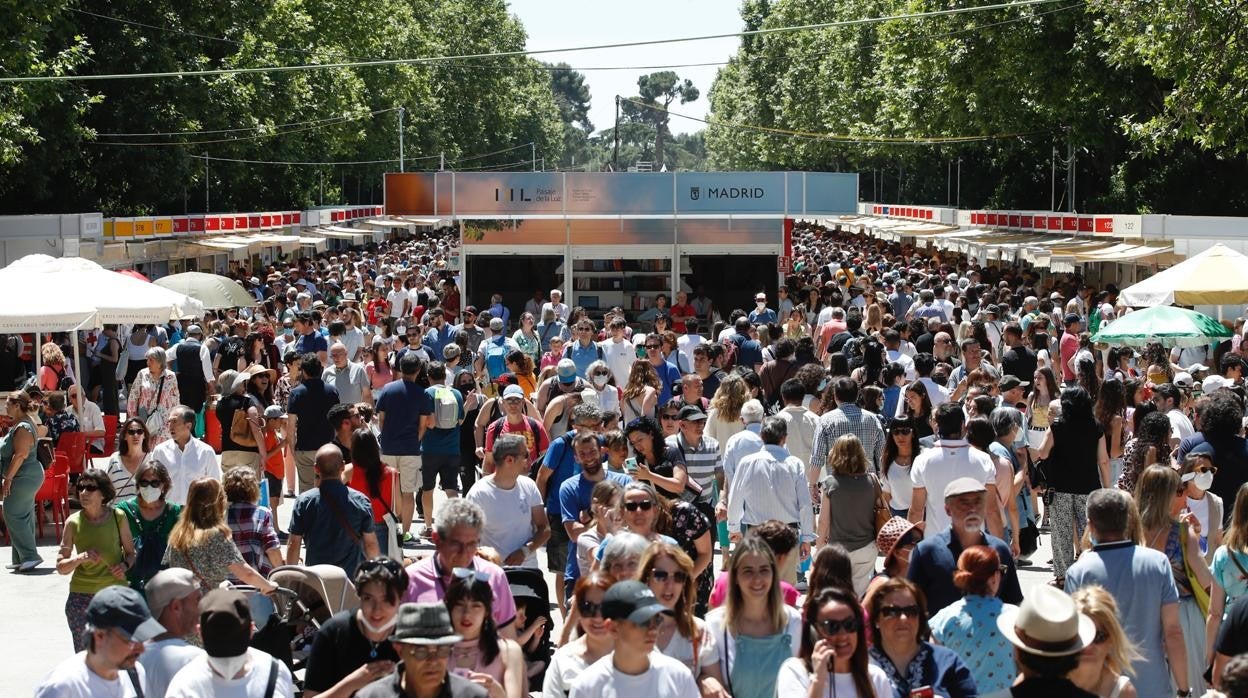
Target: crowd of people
<point x="828" y="494"/>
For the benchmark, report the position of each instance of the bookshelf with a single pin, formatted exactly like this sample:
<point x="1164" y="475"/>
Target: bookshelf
<point x="600" y="284"/>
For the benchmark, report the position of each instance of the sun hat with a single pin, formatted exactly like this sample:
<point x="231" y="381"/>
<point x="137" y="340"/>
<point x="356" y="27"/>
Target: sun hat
<point x="894" y="531"/>
<point x="424" y="624"/>
<point x="1047" y="624"/>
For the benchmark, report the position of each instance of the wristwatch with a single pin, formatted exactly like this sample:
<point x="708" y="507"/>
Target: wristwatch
<point x="1183" y="693"/>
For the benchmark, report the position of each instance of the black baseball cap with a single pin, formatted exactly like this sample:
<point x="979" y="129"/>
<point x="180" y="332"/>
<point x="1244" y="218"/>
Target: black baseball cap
<point x="1009" y="382"/>
<point x="691" y="413"/>
<point x="632" y="601"/>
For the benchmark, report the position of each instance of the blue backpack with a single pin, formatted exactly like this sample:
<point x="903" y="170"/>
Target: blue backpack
<point x="496" y="357"/>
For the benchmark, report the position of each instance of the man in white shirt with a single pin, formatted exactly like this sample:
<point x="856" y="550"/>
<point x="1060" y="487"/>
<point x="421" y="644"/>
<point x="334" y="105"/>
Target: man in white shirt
<point x="173" y="597"/>
<point x="802" y="427"/>
<point x="690" y="339"/>
<point x="561" y="309"/>
<point x="952" y="458"/>
<point x="892" y="349"/>
<point x="118" y="623"/>
<point x="184" y="456"/>
<point x="1169" y="399"/>
<point x="515" y="515"/>
<point x="771" y="484"/>
<point x="741" y="444"/>
<point x="618" y="351"/>
<point x="632" y="613"/>
<point x="229" y="668"/>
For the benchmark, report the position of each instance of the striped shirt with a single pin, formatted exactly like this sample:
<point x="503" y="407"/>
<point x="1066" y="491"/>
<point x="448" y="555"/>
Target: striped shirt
<point x="124" y="483"/>
<point x="702" y="462"/>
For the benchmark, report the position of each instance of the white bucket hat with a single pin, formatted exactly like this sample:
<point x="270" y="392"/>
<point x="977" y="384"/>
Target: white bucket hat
<point x="1047" y="624"/>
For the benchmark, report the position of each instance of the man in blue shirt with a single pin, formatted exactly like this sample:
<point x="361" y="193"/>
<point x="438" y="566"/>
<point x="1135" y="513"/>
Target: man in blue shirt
<point x="669" y="375"/>
<point x="749" y="351"/>
<point x="308" y="415"/>
<point x="574" y="493"/>
<point x="761" y="314"/>
<point x="310" y="341"/>
<point x="439" y="335"/>
<point x="404" y="412"/>
<point x="558" y="466"/>
<point x="1142" y="583"/>
<point x="439" y="448"/>
<point x="336" y="521"/>
<point x="584" y="351"/>
<point x="934" y="560"/>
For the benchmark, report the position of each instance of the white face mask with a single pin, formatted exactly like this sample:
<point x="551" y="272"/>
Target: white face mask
<point x="761" y="304"/>
<point x="600" y="381"/>
<point x="1203" y="480"/>
<point x="149" y="494"/>
<point x="377" y="629"/>
<point x="228" y="667"/>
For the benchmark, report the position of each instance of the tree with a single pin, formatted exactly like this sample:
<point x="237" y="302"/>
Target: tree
<point x="656" y="93"/>
<point x="572" y="96"/>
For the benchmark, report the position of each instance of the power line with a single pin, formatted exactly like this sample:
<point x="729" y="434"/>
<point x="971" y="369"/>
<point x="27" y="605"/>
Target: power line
<point x="298" y="162"/>
<point x="334" y="122"/>
<point x="862" y="140"/>
<point x="505" y="54"/>
<point x="496" y="152"/>
<point x="236" y="130"/>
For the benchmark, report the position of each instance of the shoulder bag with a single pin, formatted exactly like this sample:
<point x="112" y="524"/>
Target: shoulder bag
<point x="1200" y="593"/>
<point x="342" y="519"/>
<point x="154" y="417"/>
<point x="882" y="512"/>
<point x="240" y="428"/>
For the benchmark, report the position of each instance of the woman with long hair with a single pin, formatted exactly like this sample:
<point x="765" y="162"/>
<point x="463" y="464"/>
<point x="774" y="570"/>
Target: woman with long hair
<point x="898" y="613"/>
<point x="201" y="540"/>
<point x="755" y="631"/>
<point x="526" y="339"/>
<point x="641" y="394"/>
<point x="847" y="509"/>
<point x="873" y="361"/>
<point x="968" y="626"/>
<point x="105" y="550"/>
<point x="132" y="452"/>
<point x="892" y="382"/>
<point x="658" y="464"/>
<point x="724" y="419"/>
<point x="495" y="663"/>
<point x="917" y="408"/>
<point x="1229" y="569"/>
<point x="832" y="659"/>
<point x="1111" y="410"/>
<point x="375" y="479"/>
<point x="593" y="643"/>
<point x="1161" y="499"/>
<point x="378" y="369"/>
<point x="830" y="567"/>
<point x="900" y="449"/>
<point x="1104" y="664"/>
<point x="1148" y="445"/>
<point x="795" y="325"/>
<point x="151" y="517"/>
<point x="1044" y="391"/>
<point x="1197" y="476"/>
<point x="1078" y="463"/>
<point x="668" y="571"/>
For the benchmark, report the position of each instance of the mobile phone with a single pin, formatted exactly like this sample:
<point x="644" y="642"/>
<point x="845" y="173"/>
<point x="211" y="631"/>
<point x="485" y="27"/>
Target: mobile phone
<point x="923" y="692"/>
<point x="630" y="464"/>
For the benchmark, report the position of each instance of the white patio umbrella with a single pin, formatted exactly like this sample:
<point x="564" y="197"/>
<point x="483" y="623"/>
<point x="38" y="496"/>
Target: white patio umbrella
<point x="213" y="290"/>
<point x="1217" y="276"/>
<point x="117" y="298"/>
<point x="55" y="311"/>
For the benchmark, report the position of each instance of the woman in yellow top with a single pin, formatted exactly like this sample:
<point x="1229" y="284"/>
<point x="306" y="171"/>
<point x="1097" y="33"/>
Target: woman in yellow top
<point x="105" y="551"/>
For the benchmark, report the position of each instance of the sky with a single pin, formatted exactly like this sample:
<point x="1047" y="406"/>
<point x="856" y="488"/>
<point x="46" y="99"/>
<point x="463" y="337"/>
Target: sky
<point x="557" y="24"/>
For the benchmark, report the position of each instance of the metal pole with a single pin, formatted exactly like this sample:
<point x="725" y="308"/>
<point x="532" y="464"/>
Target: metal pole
<point x="1053" y="180"/>
<point x="1070" y="145"/>
<point x="322" y="175"/>
<point x="615" y="156"/>
<point x="442" y="161"/>
<point x="533" y="155"/>
<point x="948" y="181"/>
<point x="207" y="195"/>
<point x="958" y="204"/>
<point x="401" y="162"/>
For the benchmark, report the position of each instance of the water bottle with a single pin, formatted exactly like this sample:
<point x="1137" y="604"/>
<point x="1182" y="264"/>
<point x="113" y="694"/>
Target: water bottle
<point x="264" y="492"/>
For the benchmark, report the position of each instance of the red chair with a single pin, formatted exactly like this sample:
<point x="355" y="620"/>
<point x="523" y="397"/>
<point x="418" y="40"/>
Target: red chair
<point x="110" y="434"/>
<point x="55" y="489"/>
<point x="74" y="445"/>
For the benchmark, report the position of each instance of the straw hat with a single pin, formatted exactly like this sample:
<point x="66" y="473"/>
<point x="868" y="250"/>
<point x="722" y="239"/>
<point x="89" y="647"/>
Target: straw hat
<point x="1047" y="624"/>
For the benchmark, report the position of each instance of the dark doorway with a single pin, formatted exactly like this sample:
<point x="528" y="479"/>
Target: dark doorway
<point x="732" y="280"/>
<point x="514" y="276"/>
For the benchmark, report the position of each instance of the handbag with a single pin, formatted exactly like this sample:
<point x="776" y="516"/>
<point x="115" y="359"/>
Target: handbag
<point x="240" y="429"/>
<point x="154" y="417"/>
<point x="1200" y="593"/>
<point x="882" y="512"/>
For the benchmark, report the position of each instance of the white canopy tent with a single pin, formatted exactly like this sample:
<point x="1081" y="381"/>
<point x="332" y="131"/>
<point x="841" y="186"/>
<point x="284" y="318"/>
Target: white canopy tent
<point x="116" y="298"/>
<point x="1217" y="276"/>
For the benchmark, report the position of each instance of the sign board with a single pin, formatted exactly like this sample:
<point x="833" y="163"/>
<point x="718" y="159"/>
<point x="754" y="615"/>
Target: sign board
<point x="784" y="264"/>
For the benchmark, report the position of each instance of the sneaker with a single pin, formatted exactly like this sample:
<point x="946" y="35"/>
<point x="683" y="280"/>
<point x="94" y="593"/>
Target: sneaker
<point x="29" y="565"/>
<point x="1023" y="561"/>
<point x="13" y="566"/>
<point x="409" y="539"/>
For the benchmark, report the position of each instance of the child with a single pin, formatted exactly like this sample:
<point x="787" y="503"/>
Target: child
<point x="531" y="636"/>
<point x="617" y="451"/>
<point x="275" y="465"/>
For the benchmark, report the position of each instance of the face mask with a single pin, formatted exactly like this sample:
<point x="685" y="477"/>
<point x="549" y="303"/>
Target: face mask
<point x="1203" y="480"/>
<point x="150" y="495"/>
<point x="600" y="381"/>
<point x="227" y="667"/>
<point x="377" y="629"/>
<point x="761" y="305"/>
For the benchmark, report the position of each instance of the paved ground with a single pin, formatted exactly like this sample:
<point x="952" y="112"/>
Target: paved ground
<point x="34" y="636"/>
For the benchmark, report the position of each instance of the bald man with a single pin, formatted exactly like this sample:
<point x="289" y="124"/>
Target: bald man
<point x="336" y="521"/>
<point x="348" y="377"/>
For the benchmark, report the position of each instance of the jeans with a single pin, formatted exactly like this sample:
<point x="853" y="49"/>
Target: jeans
<point x="19" y="512"/>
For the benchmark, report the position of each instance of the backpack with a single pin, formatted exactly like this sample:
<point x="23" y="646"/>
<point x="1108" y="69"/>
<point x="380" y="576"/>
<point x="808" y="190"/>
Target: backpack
<point x="730" y="353"/>
<point x="445" y="408"/>
<point x="496" y="357"/>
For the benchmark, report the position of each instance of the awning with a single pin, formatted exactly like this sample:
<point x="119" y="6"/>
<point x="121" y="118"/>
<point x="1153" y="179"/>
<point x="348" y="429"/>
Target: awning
<point x="1125" y="252"/>
<point x="315" y="242"/>
<point x="221" y="243"/>
<point x="425" y="222"/>
<point x="391" y="223"/>
<point x="351" y="234"/>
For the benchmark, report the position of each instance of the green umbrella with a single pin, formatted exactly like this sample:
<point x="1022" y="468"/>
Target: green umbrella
<point x="1165" y="324"/>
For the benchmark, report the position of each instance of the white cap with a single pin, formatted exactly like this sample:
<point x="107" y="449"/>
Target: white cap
<point x="1214" y="382"/>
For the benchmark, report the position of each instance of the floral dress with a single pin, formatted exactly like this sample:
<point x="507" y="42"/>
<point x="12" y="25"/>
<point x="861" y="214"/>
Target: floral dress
<point x="209" y="561"/>
<point x="148" y="393"/>
<point x="1133" y="455"/>
<point x="688" y="525"/>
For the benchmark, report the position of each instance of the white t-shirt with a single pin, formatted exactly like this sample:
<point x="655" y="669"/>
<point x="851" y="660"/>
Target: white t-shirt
<point x="685" y="344"/>
<point x="162" y="659"/>
<point x="936" y="467"/>
<point x="197" y="680"/>
<point x="907" y="363"/>
<point x="619" y="357"/>
<point x="898" y="486"/>
<point x="565" y="666"/>
<point x="1180" y="426"/>
<point x="395" y="299"/>
<point x="666" y="678"/>
<point x="508" y="515"/>
<point x="72" y="679"/>
<point x="794" y="680"/>
<point x="681" y="649"/>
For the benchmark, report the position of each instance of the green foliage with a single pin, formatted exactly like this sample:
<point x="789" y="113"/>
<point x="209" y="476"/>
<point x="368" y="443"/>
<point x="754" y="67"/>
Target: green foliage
<point x="1113" y="78"/>
<point x="53" y="152"/>
<point x="656" y="93"/>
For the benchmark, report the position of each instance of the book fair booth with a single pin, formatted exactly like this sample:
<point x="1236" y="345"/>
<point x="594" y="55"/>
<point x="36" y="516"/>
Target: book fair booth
<point x="608" y="239"/>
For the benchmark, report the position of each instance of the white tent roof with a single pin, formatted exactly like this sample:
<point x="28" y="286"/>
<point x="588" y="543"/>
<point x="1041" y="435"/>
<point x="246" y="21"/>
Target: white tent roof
<point x="1217" y="276"/>
<point x="117" y="298"/>
<point x="53" y="312"/>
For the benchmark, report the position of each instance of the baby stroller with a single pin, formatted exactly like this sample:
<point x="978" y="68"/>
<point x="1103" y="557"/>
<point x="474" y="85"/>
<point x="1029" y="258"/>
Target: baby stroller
<point x="306" y="597"/>
<point x="528" y="588"/>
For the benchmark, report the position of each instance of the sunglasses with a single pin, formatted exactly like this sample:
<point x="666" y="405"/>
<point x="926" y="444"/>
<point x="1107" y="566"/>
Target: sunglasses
<point x="466" y="573"/>
<point x="833" y="627"/>
<point x="911" y="611"/>
<point x="150" y="483"/>
<point x="88" y="487"/>
<point x="644" y="505"/>
<point x="383" y="563"/>
<point x="423" y="652"/>
<point x="653" y="346"/>
<point x="589" y="609"/>
<point x="1205" y="469"/>
<point x="134" y="432"/>
<point x="661" y="576"/>
<point x="668" y="417"/>
<point x="902" y="431"/>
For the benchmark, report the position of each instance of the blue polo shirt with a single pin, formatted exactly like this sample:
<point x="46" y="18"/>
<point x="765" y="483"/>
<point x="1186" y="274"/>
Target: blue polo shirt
<point x="749" y="351"/>
<point x="404" y="403"/>
<point x="325" y="540"/>
<point x="561" y="461"/>
<point x="436" y="340"/>
<point x="935" y="559"/>
<point x="310" y="402"/>
<point x="669" y="375"/>
<point x="583" y="356"/>
<point x="311" y="343"/>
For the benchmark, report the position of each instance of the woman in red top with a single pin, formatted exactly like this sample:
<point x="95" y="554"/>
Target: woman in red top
<point x="375" y="479"/>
